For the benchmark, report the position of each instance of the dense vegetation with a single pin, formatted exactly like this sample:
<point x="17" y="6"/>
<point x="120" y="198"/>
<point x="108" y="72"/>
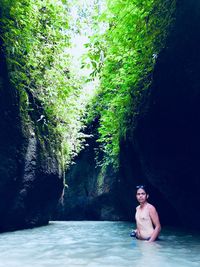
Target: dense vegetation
<point x="36" y="42"/>
<point x="124" y="57"/>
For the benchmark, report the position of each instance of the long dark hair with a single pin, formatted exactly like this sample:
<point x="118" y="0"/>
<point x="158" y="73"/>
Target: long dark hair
<point x="144" y="187"/>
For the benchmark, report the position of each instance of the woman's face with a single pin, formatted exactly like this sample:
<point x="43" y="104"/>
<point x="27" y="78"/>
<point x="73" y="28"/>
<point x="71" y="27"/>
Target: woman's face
<point x="141" y="195"/>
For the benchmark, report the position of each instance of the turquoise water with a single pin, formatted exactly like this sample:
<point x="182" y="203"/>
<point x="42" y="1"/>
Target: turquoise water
<point x="95" y="244"/>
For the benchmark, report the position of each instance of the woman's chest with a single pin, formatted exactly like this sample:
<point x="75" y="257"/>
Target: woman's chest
<point x="142" y="215"/>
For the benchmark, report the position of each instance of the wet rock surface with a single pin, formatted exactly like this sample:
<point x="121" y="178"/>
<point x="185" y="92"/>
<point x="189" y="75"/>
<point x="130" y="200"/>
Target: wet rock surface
<point x="30" y="178"/>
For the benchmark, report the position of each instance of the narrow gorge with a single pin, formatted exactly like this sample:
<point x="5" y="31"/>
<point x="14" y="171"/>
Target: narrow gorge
<point x="65" y="159"/>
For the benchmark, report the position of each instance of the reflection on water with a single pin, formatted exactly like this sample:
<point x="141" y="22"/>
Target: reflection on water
<point x="96" y="244"/>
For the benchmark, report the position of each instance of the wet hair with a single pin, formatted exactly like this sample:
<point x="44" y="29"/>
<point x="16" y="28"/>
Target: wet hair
<point x="144" y="187"/>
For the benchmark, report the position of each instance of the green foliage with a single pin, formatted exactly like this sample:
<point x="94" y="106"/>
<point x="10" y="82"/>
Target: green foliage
<point x="135" y="35"/>
<point x="36" y="37"/>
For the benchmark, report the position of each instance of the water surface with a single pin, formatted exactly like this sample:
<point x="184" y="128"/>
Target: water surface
<point x="95" y="244"/>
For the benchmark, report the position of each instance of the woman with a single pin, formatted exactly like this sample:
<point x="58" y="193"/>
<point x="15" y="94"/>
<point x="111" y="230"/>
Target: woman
<point x="147" y="219"/>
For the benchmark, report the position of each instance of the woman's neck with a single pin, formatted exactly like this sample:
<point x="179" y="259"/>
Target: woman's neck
<point x="142" y="205"/>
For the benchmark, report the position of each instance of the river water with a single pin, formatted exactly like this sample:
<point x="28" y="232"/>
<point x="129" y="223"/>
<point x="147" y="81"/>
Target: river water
<point x="95" y="244"/>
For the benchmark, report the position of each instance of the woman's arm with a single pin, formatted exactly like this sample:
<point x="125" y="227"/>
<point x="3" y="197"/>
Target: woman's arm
<point x="156" y="222"/>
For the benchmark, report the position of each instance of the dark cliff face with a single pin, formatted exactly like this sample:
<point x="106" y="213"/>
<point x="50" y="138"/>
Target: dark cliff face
<point x="164" y="150"/>
<point x="92" y="191"/>
<point x="30" y="179"/>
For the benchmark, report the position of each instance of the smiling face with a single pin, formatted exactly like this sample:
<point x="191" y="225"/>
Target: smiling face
<point x="141" y="195"/>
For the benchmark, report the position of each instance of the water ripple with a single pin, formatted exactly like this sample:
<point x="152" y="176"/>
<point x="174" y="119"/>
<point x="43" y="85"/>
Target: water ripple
<point x="96" y="244"/>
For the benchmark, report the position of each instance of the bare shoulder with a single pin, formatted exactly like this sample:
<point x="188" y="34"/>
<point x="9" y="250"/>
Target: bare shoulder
<point x="137" y="207"/>
<point x="151" y="207"/>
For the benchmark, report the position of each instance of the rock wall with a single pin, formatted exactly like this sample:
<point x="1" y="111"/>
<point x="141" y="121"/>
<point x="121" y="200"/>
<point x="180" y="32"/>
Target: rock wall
<point x="91" y="191"/>
<point x="163" y="151"/>
<point x="31" y="181"/>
